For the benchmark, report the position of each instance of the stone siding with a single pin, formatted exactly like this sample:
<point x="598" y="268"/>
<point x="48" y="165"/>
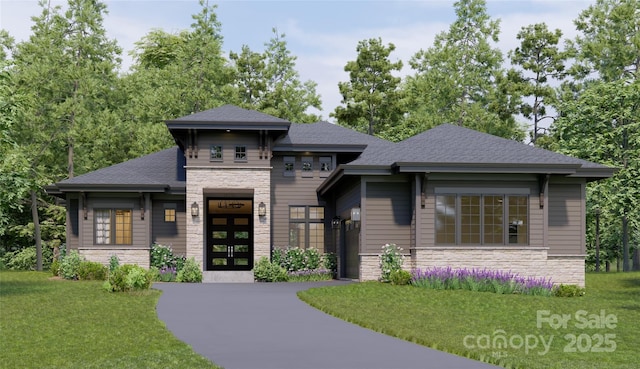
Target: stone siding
<point x="125" y="256"/>
<point x="257" y="179"/>
<point x="527" y="262"/>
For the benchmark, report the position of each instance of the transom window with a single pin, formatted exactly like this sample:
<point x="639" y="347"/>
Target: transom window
<point x="215" y="152"/>
<point x="241" y="153"/>
<point x="306" y="227"/>
<point x="463" y="219"/>
<point x="113" y="226"/>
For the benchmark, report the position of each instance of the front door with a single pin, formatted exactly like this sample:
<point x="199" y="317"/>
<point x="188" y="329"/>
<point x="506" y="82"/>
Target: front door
<point x="230" y="234"/>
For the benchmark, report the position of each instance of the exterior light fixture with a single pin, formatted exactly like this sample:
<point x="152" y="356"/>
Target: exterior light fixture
<point x="355" y="214"/>
<point x="262" y="209"/>
<point x="335" y="222"/>
<point x="195" y="209"/>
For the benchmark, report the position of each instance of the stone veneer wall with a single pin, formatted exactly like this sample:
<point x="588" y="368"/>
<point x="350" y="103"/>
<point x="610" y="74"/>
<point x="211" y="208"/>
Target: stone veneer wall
<point x="257" y="179"/>
<point x="528" y="262"/>
<point x="125" y="256"/>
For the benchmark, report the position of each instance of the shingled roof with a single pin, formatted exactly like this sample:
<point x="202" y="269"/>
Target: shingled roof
<point x="229" y="117"/>
<point x="157" y="172"/>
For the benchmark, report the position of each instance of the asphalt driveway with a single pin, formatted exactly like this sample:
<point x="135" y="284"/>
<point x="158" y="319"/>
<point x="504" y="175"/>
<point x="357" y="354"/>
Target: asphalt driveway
<point x="265" y="325"/>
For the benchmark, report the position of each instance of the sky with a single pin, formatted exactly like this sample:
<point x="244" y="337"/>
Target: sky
<point x="323" y="35"/>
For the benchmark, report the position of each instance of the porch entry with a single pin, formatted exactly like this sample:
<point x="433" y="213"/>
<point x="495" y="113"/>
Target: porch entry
<point x="229" y="234"/>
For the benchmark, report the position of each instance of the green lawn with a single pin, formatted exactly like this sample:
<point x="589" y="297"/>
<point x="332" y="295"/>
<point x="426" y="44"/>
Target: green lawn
<point x="63" y="324"/>
<point x="466" y="323"/>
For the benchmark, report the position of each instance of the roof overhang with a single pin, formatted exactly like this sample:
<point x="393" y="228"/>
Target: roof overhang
<point x="59" y="189"/>
<point x="409" y="167"/>
<point x="175" y="125"/>
<point x="352" y="170"/>
<point x="319" y="148"/>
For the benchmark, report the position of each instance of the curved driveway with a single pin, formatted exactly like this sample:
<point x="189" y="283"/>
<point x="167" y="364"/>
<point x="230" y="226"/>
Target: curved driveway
<point x="265" y="325"/>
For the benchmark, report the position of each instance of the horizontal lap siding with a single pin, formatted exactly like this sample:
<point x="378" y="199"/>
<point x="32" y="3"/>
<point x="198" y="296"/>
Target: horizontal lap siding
<point x="566" y="229"/>
<point x="387" y="215"/>
<point x="292" y="191"/>
<point x="348" y="199"/>
<point x="536" y="215"/>
<point x="167" y="233"/>
<point x="140" y="237"/>
<point x="228" y="141"/>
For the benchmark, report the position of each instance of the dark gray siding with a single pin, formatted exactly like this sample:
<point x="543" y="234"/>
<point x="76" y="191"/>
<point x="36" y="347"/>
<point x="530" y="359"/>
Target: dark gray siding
<point x="566" y="219"/>
<point x="73" y="222"/>
<point x="387" y="215"/>
<point x="168" y="233"/>
<point x="229" y="141"/>
<point x="293" y="191"/>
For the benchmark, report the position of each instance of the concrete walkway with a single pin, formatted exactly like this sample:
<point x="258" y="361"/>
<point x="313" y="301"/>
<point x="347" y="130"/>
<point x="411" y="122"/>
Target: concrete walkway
<point x="265" y="325"/>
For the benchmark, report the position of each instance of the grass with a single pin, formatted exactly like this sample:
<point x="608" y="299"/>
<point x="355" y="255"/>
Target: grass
<point x="48" y="323"/>
<point x="442" y="319"/>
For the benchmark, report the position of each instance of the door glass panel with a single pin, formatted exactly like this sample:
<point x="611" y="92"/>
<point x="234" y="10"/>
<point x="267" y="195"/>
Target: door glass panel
<point x="241" y="235"/>
<point x="241" y="248"/>
<point x="219" y="261"/>
<point x="241" y="221"/>
<point x="220" y="235"/>
<point x="219" y="221"/>
<point x="219" y="248"/>
<point x="241" y="261"/>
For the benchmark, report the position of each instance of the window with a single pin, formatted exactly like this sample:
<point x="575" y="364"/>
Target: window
<point x="216" y="153"/>
<point x="241" y="153"/>
<point x="307" y="167"/>
<point x="289" y="166"/>
<point x="325" y="166"/>
<point x="113" y="226"/>
<point x="170" y="214"/>
<point x="482" y="219"/>
<point x="306" y="227"/>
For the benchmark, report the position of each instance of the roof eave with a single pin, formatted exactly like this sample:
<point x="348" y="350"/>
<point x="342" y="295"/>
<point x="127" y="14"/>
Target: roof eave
<point x="595" y="174"/>
<point x="408" y="167"/>
<point x="63" y="188"/>
<point x="351" y="170"/>
<point x="242" y="126"/>
<point x="319" y="148"/>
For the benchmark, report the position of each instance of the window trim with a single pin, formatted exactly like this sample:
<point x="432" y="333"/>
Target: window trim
<point x="221" y="153"/>
<point x="113" y="227"/>
<point x="506" y="195"/>
<point x="307" y="173"/>
<point x="170" y="207"/>
<point x="325" y="160"/>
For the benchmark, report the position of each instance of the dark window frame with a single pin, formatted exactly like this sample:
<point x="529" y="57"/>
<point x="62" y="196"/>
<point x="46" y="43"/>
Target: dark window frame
<point x="216" y="155"/>
<point x="240" y="154"/>
<point x="113" y="226"/>
<point x="307" y="166"/>
<point x="289" y="166"/>
<point x="304" y="218"/>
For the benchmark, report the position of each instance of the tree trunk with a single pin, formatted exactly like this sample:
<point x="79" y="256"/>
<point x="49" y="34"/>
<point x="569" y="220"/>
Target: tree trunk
<point x="36" y="229"/>
<point x="636" y="259"/>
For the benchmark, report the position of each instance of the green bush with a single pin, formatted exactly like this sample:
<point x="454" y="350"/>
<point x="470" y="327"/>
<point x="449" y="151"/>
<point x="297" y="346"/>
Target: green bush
<point x="266" y="271"/>
<point x="190" y="272"/>
<point x="568" y="290"/>
<point x="330" y="262"/>
<point x="391" y="260"/>
<point x="128" y="278"/>
<point x="90" y="270"/>
<point x="55" y="268"/>
<point x="24" y="259"/>
<point x="69" y="265"/>
<point x="400" y="277"/>
<point x="114" y="262"/>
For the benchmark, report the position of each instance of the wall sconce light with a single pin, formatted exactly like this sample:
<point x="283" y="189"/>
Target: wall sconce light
<point x="355" y="214"/>
<point x="85" y="212"/>
<point x="262" y="209"/>
<point x="335" y="222"/>
<point x="195" y="209"/>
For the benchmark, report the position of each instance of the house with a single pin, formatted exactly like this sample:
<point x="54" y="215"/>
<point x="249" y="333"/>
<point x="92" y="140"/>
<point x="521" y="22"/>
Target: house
<point x="240" y="182"/>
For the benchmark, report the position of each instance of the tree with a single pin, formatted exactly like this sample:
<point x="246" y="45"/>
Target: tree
<point x="603" y="125"/>
<point x="66" y="72"/>
<point x="250" y="76"/>
<point x="457" y="77"/>
<point x="287" y="97"/>
<point x="539" y="57"/>
<point x="372" y="95"/>
<point x="609" y="44"/>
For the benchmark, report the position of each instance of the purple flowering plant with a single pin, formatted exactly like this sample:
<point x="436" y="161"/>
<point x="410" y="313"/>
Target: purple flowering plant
<point x="482" y="280"/>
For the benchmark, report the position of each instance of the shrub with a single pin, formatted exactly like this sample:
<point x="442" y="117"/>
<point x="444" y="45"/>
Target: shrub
<point x="266" y="271"/>
<point x="400" y="277"/>
<point x="294" y="259"/>
<point x="55" y="268"/>
<point x="330" y="262"/>
<point x="391" y="260"/>
<point x="128" y="278"/>
<point x="568" y="290"/>
<point x="69" y="265"/>
<point x="24" y="259"/>
<point x="190" y="272"/>
<point x="167" y="274"/>
<point x="114" y="262"/>
<point x="90" y="270"/>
